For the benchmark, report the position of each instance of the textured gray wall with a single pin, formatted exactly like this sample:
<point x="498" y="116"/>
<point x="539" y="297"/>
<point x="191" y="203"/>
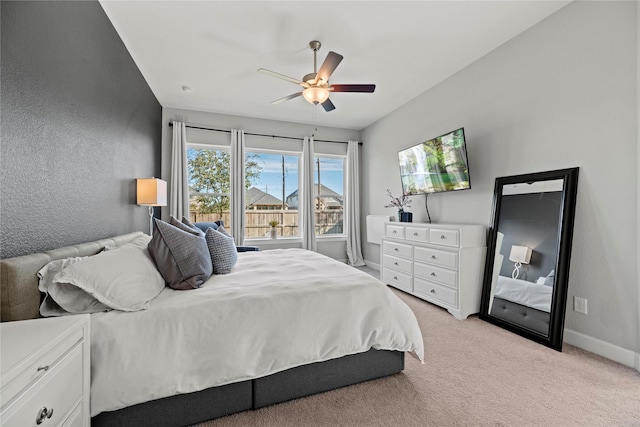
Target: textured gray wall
<point x="531" y="220"/>
<point x="79" y="124"/>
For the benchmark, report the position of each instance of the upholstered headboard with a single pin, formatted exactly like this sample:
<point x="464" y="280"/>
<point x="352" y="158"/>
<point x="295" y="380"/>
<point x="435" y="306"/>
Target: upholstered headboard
<point x="19" y="294"/>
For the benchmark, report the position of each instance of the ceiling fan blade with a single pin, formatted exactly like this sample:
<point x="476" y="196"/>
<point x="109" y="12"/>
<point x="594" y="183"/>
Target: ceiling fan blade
<point x="353" y="88"/>
<point x="279" y="76"/>
<point x="286" y="98"/>
<point x="329" y="66"/>
<point x="328" y="105"/>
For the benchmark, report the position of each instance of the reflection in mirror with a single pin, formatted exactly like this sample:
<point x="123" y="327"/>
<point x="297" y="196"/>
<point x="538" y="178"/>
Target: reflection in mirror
<point x="530" y="240"/>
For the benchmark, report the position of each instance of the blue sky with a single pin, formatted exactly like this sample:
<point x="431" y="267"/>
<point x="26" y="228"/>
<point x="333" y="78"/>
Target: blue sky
<point x="270" y="181"/>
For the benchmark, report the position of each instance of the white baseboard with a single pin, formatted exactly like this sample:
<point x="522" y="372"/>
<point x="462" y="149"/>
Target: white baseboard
<point x="372" y="264"/>
<point x="602" y="348"/>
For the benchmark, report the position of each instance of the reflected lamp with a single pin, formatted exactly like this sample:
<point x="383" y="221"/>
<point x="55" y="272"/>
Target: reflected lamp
<point x="519" y="255"/>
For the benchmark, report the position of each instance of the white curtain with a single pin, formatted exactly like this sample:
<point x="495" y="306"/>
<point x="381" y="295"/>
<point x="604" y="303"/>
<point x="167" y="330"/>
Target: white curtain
<point x="352" y="206"/>
<point x="179" y="190"/>
<point x="307" y="204"/>
<point x="237" y="186"/>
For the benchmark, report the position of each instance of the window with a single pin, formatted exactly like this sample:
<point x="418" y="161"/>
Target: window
<point x="209" y="183"/>
<point x="271" y="193"/>
<point x="329" y="194"/>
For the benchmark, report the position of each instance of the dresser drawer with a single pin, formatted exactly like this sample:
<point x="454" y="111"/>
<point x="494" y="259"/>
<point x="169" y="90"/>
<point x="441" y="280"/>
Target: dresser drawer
<point x="395" y="231"/>
<point x="397" y="279"/>
<point x="60" y="390"/>
<point x="416" y="234"/>
<point x="398" y="249"/>
<point x="435" y="292"/>
<point x="436" y="257"/>
<point x="436" y="274"/>
<point x="15" y="380"/>
<point x="75" y="419"/>
<point x="444" y="237"/>
<point x="396" y="263"/>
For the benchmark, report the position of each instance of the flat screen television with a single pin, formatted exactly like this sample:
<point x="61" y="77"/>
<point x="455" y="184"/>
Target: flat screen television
<point x="437" y="165"/>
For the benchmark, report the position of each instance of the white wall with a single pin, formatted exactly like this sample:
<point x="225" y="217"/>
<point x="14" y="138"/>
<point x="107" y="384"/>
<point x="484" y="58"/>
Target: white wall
<point x="562" y="94"/>
<point x="333" y="247"/>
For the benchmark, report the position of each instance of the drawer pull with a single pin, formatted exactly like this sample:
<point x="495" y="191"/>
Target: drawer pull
<point x="394" y="232"/>
<point x="433" y="257"/>
<point x="433" y="274"/>
<point x="43" y="414"/>
<point x="415" y="234"/>
<point x="442" y="236"/>
<point x="43" y="368"/>
<point x="395" y="277"/>
<point x="433" y="291"/>
<point x="395" y="263"/>
<point x="395" y="249"/>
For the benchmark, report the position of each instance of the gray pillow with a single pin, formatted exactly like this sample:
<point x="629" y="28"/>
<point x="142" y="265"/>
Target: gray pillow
<point x="222" y="249"/>
<point x="181" y="255"/>
<point x="550" y="279"/>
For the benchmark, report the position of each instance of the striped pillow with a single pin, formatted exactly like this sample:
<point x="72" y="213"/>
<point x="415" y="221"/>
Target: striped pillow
<point x="222" y="249"/>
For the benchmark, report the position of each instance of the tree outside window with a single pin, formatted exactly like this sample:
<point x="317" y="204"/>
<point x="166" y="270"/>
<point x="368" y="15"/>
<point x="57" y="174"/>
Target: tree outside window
<point x="209" y="172"/>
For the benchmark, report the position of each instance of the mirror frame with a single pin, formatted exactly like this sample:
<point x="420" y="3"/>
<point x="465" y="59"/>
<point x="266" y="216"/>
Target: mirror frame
<point x="565" y="237"/>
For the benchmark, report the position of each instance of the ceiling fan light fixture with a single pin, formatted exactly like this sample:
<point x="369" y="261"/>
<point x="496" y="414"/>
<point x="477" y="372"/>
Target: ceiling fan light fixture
<point x="316" y="95"/>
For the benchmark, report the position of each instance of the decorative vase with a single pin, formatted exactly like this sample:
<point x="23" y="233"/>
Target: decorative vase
<point x="405" y="216"/>
<point x="273" y="233"/>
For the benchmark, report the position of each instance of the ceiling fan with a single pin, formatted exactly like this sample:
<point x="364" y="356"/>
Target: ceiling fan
<point x="316" y="85"/>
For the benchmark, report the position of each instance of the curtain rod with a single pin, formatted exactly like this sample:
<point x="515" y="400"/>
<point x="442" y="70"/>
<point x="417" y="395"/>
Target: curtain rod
<point x="262" y="134"/>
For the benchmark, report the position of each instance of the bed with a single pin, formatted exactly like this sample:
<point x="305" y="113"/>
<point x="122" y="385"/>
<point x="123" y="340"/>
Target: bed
<point x="223" y="358"/>
<point x="524" y="303"/>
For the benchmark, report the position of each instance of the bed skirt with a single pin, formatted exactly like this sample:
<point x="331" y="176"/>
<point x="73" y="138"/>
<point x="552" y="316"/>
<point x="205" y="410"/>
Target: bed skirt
<point x="215" y="402"/>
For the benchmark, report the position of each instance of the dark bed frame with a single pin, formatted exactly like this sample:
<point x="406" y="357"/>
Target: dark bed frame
<point x="21" y="300"/>
<point x="521" y="315"/>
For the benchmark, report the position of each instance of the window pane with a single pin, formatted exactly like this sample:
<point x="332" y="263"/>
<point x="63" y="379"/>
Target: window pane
<point x="329" y="191"/>
<point x="209" y="184"/>
<point x="272" y="194"/>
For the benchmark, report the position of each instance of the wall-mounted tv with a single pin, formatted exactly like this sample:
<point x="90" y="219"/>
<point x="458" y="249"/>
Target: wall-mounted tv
<point x="437" y="165"/>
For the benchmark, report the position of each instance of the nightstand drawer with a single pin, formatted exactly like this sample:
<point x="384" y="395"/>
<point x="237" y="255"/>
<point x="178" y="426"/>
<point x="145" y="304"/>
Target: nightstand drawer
<point x="444" y="237"/>
<point x="397" y="279"/>
<point x="434" y="291"/>
<point x="417" y="234"/>
<point x="60" y="391"/>
<point x="436" y="274"/>
<point x="395" y="231"/>
<point x="398" y="249"/>
<point x="401" y="264"/>
<point x="15" y="380"/>
<point x="436" y="257"/>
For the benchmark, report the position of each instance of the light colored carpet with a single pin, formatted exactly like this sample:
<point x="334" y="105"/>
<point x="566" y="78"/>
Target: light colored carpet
<point x="475" y="374"/>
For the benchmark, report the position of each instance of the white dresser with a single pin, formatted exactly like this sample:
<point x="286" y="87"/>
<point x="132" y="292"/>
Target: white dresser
<point x="44" y="377"/>
<point x="440" y="263"/>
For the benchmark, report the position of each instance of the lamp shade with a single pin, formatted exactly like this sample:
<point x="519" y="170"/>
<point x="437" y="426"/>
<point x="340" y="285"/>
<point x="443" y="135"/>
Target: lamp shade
<point x="315" y="95"/>
<point x="151" y="192"/>
<point x="521" y="254"/>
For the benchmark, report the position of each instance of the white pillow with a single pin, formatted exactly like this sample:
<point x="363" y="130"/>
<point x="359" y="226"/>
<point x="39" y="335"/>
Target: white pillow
<point x="62" y="298"/>
<point x="122" y="279"/>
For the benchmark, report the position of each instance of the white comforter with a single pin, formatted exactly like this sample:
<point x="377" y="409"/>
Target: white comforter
<point x="276" y="310"/>
<point x="529" y="294"/>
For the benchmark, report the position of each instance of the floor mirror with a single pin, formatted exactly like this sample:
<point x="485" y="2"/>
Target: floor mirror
<point x="528" y="254"/>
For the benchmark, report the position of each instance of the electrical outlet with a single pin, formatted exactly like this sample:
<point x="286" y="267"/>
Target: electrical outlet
<point x="580" y="305"/>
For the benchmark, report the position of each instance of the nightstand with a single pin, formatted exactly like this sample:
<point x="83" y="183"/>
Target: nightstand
<point x="44" y="372"/>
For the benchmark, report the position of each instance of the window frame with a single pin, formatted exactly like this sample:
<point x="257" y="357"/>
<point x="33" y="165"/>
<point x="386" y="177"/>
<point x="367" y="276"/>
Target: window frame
<point x="343" y="235"/>
<point x="298" y="154"/>
<point x="211" y="147"/>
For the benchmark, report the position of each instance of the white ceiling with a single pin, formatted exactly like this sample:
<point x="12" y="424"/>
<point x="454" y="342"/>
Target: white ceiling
<point x="405" y="48"/>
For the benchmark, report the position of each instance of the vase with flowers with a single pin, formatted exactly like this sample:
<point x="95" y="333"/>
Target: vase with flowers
<point x="273" y="232"/>
<point x="401" y="203"/>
